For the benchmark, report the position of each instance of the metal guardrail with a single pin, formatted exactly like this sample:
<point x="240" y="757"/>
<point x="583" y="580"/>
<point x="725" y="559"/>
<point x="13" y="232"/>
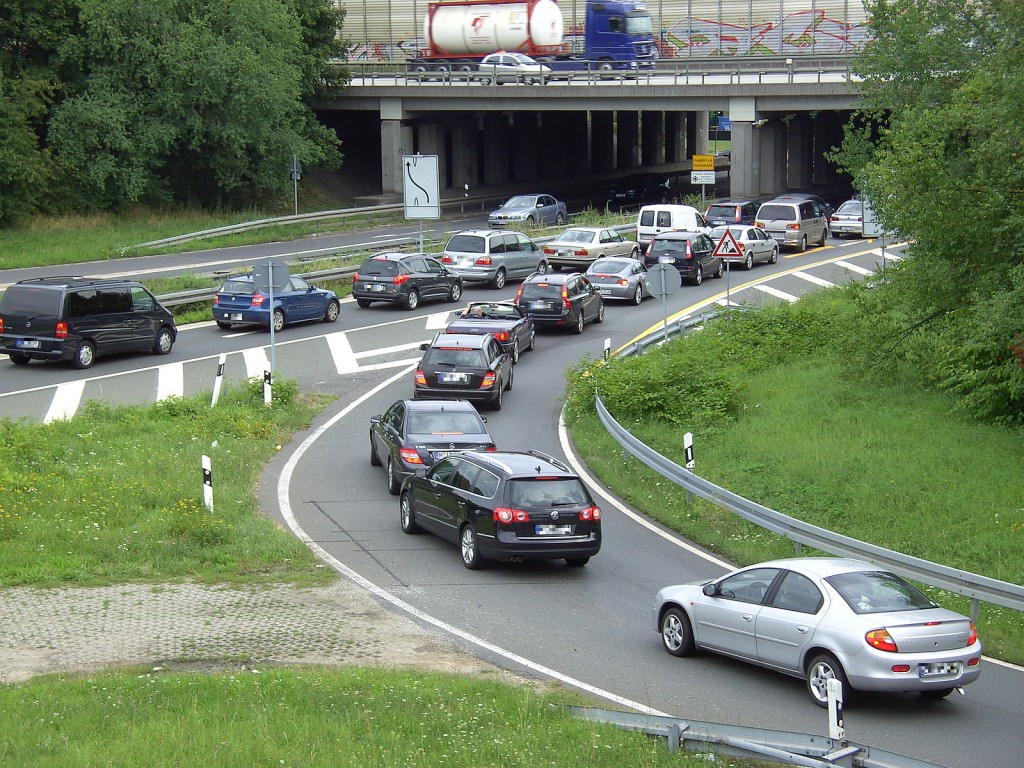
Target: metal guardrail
<point x="971" y="585"/>
<point x="752" y="743"/>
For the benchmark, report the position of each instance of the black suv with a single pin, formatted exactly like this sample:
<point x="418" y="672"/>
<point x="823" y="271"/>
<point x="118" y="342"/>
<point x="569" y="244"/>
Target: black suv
<point x="692" y="253"/>
<point x="463" y="366"/>
<point x="79" y="318"/>
<point x="556" y="298"/>
<point x="505" y="505"/>
<point x="405" y="279"/>
<point x="732" y="211"/>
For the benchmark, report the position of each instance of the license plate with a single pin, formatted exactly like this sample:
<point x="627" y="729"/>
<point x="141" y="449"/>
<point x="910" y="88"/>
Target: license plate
<point x="453" y="378"/>
<point x="604" y="291"/>
<point x="553" y="530"/>
<point x="374" y="288"/>
<point x="28" y="343"/>
<point x="539" y="304"/>
<point x="237" y="316"/>
<point x="438" y="455"/>
<point x="939" y="669"/>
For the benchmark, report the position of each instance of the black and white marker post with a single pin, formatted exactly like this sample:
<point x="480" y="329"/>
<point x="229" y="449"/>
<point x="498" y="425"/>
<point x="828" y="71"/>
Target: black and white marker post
<point x="219" y="380"/>
<point x="207" y="483"/>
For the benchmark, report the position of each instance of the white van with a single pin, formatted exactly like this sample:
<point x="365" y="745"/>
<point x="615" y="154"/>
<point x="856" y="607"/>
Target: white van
<point x="655" y="219"/>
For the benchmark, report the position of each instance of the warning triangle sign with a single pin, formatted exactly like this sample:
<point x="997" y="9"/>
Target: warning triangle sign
<point x="728" y="248"/>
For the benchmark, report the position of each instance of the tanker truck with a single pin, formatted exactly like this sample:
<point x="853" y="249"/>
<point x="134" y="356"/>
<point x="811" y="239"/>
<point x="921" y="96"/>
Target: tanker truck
<point x="617" y="34"/>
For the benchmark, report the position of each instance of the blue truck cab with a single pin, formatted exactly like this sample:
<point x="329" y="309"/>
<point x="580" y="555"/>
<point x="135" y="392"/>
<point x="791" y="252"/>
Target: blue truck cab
<point x="618" y="35"/>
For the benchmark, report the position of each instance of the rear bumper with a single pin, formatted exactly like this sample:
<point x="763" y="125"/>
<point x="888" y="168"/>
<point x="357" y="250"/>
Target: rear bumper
<point x="473" y="395"/>
<point x="48" y="349"/>
<point x="507" y="546"/>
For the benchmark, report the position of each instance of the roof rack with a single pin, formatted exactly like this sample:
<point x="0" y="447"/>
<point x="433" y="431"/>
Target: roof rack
<point x="549" y="458"/>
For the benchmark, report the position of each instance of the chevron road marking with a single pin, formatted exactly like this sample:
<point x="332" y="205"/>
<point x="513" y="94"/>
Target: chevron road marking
<point x="855" y="268"/>
<point x="776" y="293"/>
<point x="813" y="279"/>
<point x="170" y="381"/>
<point x="66" y="399"/>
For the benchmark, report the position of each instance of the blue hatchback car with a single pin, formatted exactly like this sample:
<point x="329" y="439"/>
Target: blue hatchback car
<point x="238" y="302"/>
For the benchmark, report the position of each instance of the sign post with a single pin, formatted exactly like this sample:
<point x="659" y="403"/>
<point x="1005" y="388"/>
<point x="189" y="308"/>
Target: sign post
<point x="728" y="250"/>
<point x="663" y="279"/>
<point x="296" y="174"/>
<point x="421" y="189"/>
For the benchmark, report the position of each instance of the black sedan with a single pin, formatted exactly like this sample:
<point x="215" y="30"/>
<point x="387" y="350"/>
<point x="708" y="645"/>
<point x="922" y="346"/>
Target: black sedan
<point x="414" y="434"/>
<point x="462" y="366"/>
<point x="502" y="319"/>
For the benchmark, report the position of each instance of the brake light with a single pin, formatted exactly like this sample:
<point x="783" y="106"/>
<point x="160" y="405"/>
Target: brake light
<point x="509" y="515"/>
<point x="622" y="281"/>
<point x="795" y="225"/>
<point x="446" y="259"/>
<point x="61" y="331"/>
<point x="399" y="279"/>
<point x="420" y="378"/>
<point x="216" y="301"/>
<point x="258" y="299"/>
<point x="580" y="252"/>
<point x="565" y="298"/>
<point x="1" y="325"/>
<point x="502" y="335"/>
<point x="519" y="293"/>
<point x="759" y="224"/>
<point x="488" y="381"/>
<point x="972" y="636"/>
<point x="356" y="278"/>
<point x="409" y="456"/>
<point x="900" y="667"/>
<point x="548" y="249"/>
<point x="689" y="251"/>
<point x="590" y="513"/>
<point x="880" y="640"/>
<point x="490" y="449"/>
<point x="484" y="261"/>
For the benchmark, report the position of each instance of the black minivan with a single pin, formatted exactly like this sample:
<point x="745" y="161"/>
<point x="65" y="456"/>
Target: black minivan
<point x="80" y="318"/>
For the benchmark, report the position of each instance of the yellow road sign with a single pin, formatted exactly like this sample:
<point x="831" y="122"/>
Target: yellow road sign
<point x="703" y="162"/>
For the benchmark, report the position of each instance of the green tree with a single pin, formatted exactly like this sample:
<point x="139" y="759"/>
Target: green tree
<point x="940" y="149"/>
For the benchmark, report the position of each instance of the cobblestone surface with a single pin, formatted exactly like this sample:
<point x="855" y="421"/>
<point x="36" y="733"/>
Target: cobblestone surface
<point x="83" y="630"/>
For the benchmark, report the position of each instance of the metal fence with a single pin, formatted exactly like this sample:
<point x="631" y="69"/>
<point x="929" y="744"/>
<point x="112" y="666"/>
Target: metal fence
<point x="971" y="585"/>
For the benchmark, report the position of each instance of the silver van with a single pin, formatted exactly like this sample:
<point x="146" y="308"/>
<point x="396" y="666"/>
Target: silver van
<point x="655" y="219"/>
<point x="492" y="256"/>
<point x="793" y="223"/>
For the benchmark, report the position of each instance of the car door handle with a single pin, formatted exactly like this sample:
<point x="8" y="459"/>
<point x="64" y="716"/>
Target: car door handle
<point x="747" y="617"/>
<point x="802" y="630"/>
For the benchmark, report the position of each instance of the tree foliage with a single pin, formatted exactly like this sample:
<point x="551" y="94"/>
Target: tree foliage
<point x="939" y="147"/>
<point x="112" y="102"/>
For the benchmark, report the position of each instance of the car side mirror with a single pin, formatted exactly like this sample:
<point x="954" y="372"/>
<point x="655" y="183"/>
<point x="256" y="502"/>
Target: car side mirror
<point x="425" y="346"/>
<point x="710" y="590"/>
<point x="421" y="472"/>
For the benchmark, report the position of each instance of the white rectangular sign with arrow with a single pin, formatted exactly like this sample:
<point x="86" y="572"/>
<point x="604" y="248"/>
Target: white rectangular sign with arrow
<point x="421" y="187"/>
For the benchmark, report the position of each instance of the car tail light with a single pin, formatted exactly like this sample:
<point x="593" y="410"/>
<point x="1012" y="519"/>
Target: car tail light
<point x="590" y="513"/>
<point x="490" y="449"/>
<point x="740" y="246"/>
<point x="565" y="298"/>
<point x="519" y="293"/>
<point x="489" y="379"/>
<point x="216" y="301"/>
<point x="420" y="378"/>
<point x="622" y="281"/>
<point x="484" y="261"/>
<point x="974" y="662"/>
<point x="794" y="225"/>
<point x="61" y="331"/>
<point x="759" y="224"/>
<point x="410" y="456"/>
<point x="900" y="667"/>
<point x="1" y="325"/>
<point x="581" y="252"/>
<point x="509" y="515"/>
<point x="356" y="278"/>
<point x="258" y="299"/>
<point x="502" y="336"/>
<point x="399" y="279"/>
<point x="880" y="640"/>
<point x="548" y="249"/>
<point x="689" y="251"/>
<point x="972" y="636"/>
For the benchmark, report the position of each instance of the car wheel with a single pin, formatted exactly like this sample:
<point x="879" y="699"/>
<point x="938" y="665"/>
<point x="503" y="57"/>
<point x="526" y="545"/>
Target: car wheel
<point x="803" y="243"/>
<point x="164" y="341"/>
<point x="412" y="300"/>
<point x="511" y="378"/>
<point x="559" y="219"/>
<point x="774" y="258"/>
<point x="223" y="325"/>
<point x="85" y="355"/>
<point x="542" y="268"/>
<point x="278" y="319"/>
<point x="408" y="516"/>
<point x="638" y="294"/>
<point x="677" y="634"/>
<point x="496" y="402"/>
<point x="698" y="275"/>
<point x="394" y="484"/>
<point x="748" y="262"/>
<point x="824" y="237"/>
<point x="515" y="351"/>
<point x="600" y="313"/>
<point x="455" y="293"/>
<point x="576" y="562"/>
<point x="470" y="548"/>
<point x="364" y="303"/>
<point x="823" y="668"/>
<point x="485" y="81"/>
<point x="499" y="279"/>
<point x="936" y="693"/>
<point x="374" y="458"/>
<point x="332" y="311"/>
<point x="635" y="254"/>
<point x="19" y="359"/>
<point x="533" y="338"/>
<point x="579" y="322"/>
<point x="531" y="222"/>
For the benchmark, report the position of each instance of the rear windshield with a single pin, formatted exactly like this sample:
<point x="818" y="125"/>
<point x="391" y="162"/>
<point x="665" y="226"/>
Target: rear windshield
<point x="670" y="248"/>
<point x="721" y="212"/>
<point x="238" y="286"/>
<point x="379" y="267"/>
<point x="542" y="291"/>
<point x="30" y="300"/>
<point x="647" y="218"/>
<point x="575" y="236"/>
<point x="547" y="492"/>
<point x="467" y="244"/>
<point x="770" y="212"/>
<point x="878" y="592"/>
<point x="445" y="424"/>
<point x="464" y="358"/>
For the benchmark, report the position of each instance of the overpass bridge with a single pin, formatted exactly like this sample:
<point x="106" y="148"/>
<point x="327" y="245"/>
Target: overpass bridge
<point x="785" y="114"/>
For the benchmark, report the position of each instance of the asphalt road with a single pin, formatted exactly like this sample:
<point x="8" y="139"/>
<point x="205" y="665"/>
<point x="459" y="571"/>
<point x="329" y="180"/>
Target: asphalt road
<point x="590" y="625"/>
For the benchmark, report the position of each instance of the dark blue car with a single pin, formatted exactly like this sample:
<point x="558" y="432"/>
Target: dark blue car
<point x="238" y="302"/>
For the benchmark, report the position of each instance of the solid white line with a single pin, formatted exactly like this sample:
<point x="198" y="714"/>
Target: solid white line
<point x="256" y="362"/>
<point x="776" y="293"/>
<point x="855" y="268"/>
<point x="389" y="350"/>
<point x="289" y="517"/>
<point x="341" y="352"/>
<point x="438" y="320"/>
<point x="813" y="279"/>
<point x="66" y="399"/>
<point x="170" y="381"/>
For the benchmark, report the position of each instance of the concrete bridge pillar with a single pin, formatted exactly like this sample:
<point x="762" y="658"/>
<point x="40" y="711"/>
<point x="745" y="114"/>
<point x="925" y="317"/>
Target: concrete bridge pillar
<point x="627" y="140"/>
<point x="525" y="135"/>
<point x="497" y="164"/>
<point x="697" y="133"/>
<point x="745" y="163"/>
<point x="652" y="138"/>
<point x="431" y="139"/>
<point x="799" y="153"/>
<point x="675" y="137"/>
<point x="602" y="141"/>
<point x="396" y="140"/>
<point x="773" y="158"/>
<point x="464" y="161"/>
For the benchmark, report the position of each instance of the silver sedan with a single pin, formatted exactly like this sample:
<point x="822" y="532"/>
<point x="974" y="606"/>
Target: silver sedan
<point x="579" y="247"/>
<point x="824" y="618"/>
<point x="620" y="278"/>
<point x="754" y="244"/>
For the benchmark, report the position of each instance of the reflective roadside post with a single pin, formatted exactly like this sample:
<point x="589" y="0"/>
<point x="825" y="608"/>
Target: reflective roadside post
<point x="267" y="276"/>
<point x="664" y="280"/>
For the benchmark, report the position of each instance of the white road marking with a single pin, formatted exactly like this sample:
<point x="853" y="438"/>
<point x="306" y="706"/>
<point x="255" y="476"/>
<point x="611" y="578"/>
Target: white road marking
<point x="341" y="351"/>
<point x="256" y="362"/>
<point x="66" y="399"/>
<point x="855" y="268"/>
<point x="388" y="350"/>
<point x="438" y="320"/>
<point x="776" y="293"/>
<point x="812" y="279"/>
<point x="170" y="381"/>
